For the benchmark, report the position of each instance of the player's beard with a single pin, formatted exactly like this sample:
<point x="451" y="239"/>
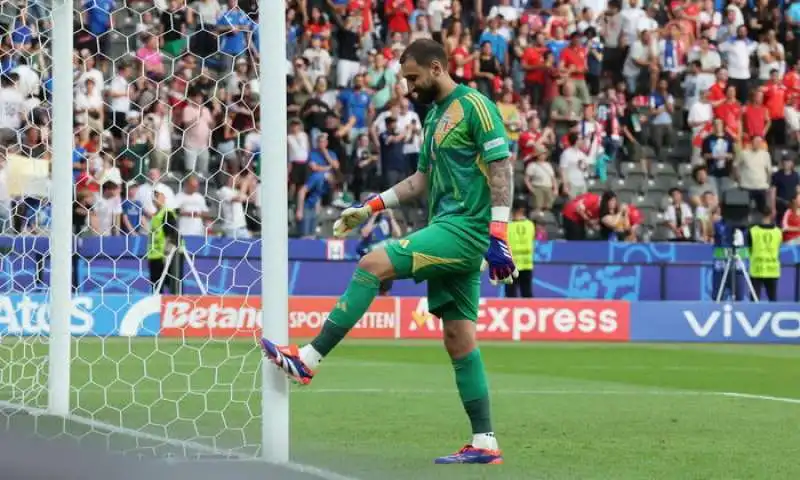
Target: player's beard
<point x="427" y="94"/>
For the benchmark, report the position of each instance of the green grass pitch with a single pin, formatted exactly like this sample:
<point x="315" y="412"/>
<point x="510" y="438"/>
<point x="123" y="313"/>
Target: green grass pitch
<point x="386" y="409"/>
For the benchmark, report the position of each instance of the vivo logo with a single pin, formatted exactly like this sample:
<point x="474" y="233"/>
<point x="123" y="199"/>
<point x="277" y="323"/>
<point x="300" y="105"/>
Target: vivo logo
<point x="781" y="324"/>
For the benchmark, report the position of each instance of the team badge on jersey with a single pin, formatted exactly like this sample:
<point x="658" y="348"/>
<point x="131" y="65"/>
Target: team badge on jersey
<point x="448" y="121"/>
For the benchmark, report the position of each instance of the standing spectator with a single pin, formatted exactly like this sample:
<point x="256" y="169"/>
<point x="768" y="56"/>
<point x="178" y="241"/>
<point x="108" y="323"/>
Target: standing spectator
<point x="89" y="108"/>
<point x="574" y="61"/>
<point x="792" y="111"/>
<point x="151" y="58"/>
<point x="145" y="192"/>
<point x="511" y="118"/>
<point x="308" y="202"/>
<point x="572" y="165"/>
<point x="541" y="181"/>
<point x="775" y="96"/>
<point x="785" y="185"/>
<point x="132" y="214"/>
<point x="175" y="23"/>
<point x="348" y="42"/>
<point x="614" y="42"/>
<point x="191" y="208"/>
<point x="393" y="161"/>
<point x="790" y="222"/>
<point x="536" y="137"/>
<point x="12" y="111"/>
<point x="462" y="60"/>
<point x="770" y="56"/>
<point x="108" y="208"/>
<point x="234" y="222"/>
<point x="299" y="150"/>
<point x="98" y="19"/>
<point x="487" y="70"/>
<point x="753" y="170"/>
<point x="119" y="100"/>
<point x="718" y="154"/>
<point x="672" y="54"/>
<point x="234" y="28"/>
<point x="640" y="62"/>
<point x="497" y="42"/>
<point x="565" y="111"/>
<point x="678" y="217"/>
<point x="319" y="60"/>
<point x="381" y="80"/>
<point x="632" y="14"/>
<point x="662" y="107"/>
<point x="198" y="124"/>
<point x="397" y="15"/>
<point x="413" y="130"/>
<point x="730" y="111"/>
<point x="595" y="54"/>
<point x="755" y="117"/>
<point x="737" y="52"/>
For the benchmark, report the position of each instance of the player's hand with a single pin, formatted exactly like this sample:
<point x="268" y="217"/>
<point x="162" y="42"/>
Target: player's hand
<point x="351" y="218"/>
<point x="498" y="258"/>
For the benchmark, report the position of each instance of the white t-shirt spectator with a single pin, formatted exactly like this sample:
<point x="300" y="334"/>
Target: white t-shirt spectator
<point x="120" y="100"/>
<point x="299" y="147"/>
<point x="773" y="55"/>
<point x="194" y="203"/>
<point x="199" y="122"/>
<point x="540" y="174"/>
<point x="639" y="52"/>
<point x="630" y="22"/>
<point x="12" y="108"/>
<point x="83" y="103"/>
<point x="107" y="211"/>
<point x="509" y="13"/>
<point x="232" y="210"/>
<point x="737" y="54"/>
<point x="319" y="63"/>
<point x="29" y="82"/>
<point x="573" y="165"/>
<point x="709" y="62"/>
<point x="94" y="74"/>
<point x="671" y="216"/>
<point x="700" y="112"/>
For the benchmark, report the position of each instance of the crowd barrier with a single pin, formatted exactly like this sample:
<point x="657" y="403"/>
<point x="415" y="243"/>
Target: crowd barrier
<point x="586" y="270"/>
<point x="517" y="320"/>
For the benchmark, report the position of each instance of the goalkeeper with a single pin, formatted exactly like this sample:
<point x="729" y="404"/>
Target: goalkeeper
<point x="464" y="168"/>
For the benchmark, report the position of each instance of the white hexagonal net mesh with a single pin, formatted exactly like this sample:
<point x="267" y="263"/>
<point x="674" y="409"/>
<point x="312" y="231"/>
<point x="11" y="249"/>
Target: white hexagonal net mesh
<point x="166" y="101"/>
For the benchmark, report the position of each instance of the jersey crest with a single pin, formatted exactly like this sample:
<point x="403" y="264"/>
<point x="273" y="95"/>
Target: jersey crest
<point x="452" y="117"/>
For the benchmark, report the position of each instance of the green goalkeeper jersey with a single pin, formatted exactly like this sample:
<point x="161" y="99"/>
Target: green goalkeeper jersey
<point x="462" y="134"/>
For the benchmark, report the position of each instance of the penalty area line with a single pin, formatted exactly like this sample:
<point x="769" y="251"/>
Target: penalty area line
<point x="751" y="396"/>
<point x="182" y="444"/>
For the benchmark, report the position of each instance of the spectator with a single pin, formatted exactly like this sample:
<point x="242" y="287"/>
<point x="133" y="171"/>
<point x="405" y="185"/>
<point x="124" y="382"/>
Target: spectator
<point x="234" y="28"/>
<point x="381" y="80"/>
<point x="614" y="222"/>
<point x="710" y="62"/>
<point x="319" y="59"/>
<point x="700" y="186"/>
<point x="678" y="218"/>
<point x="718" y="149"/>
<point x="775" y="96"/>
<point x="348" y="44"/>
<point x="108" y="208"/>
<point x="150" y="56"/>
<point x="354" y="107"/>
<point x="755" y="117"/>
<point x="565" y="111"/>
<point x="12" y="110"/>
<point x="191" y="208"/>
<point x="790" y="222"/>
<point x="299" y="150"/>
<point x="535" y="137"/>
<point x="197" y="123"/>
<point x="119" y="100"/>
<point x="397" y="14"/>
<point x="89" y="108"/>
<point x="511" y="118"/>
<point x="753" y="169"/>
<point x="641" y="65"/>
<point x="704" y="217"/>
<point x="308" y="202"/>
<point x="174" y="27"/>
<point x="580" y="214"/>
<point x="393" y="160"/>
<point x="574" y="61"/>
<point x="462" y="60"/>
<point x="785" y="185"/>
<point x="232" y="200"/>
<point x="487" y="69"/>
<point x="321" y="158"/>
<point x="572" y="164"/>
<point x="737" y="52"/>
<point x="146" y="191"/>
<point x="540" y="180"/>
<point x="132" y="212"/>
<point x="770" y="56"/>
<point x="662" y="107"/>
<point x="498" y="44"/>
<point x="792" y="111"/>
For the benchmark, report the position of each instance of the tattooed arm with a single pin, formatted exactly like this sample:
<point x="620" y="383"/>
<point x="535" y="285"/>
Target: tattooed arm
<point x="412" y="187"/>
<point x="501" y="184"/>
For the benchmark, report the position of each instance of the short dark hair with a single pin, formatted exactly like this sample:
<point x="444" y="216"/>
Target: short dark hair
<point x="425" y="51"/>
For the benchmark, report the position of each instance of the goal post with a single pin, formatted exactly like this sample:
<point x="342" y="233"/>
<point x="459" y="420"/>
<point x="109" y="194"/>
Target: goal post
<point x="274" y="226"/>
<point x="61" y="243"/>
<point x="86" y="349"/>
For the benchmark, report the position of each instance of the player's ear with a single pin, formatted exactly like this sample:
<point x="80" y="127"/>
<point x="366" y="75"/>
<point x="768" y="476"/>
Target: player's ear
<point x="436" y="68"/>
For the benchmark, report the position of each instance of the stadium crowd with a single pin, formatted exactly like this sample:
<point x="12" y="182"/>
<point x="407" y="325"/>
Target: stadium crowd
<point x="629" y="121"/>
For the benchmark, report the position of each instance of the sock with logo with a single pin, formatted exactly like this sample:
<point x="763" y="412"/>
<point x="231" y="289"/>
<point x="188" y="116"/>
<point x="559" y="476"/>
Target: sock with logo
<point x="474" y="392"/>
<point x="352" y="305"/>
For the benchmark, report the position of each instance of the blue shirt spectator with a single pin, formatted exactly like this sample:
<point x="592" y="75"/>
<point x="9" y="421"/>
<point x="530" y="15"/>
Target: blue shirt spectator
<point x="355" y="103"/>
<point x="498" y="42"/>
<point x="235" y="24"/>
<point x="132" y="209"/>
<point x="99" y="15"/>
<point x="556" y="46"/>
<point x="309" y="198"/>
<point x="317" y="160"/>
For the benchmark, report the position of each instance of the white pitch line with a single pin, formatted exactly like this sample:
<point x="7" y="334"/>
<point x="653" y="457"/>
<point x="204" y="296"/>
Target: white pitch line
<point x="751" y="396"/>
<point x="183" y="444"/>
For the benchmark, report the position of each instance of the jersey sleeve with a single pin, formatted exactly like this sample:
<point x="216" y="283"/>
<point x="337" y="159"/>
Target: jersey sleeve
<point x="486" y="127"/>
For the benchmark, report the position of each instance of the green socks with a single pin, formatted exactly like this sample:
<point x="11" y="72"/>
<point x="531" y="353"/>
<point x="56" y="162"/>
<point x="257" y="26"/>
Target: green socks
<point x="474" y="391"/>
<point x="352" y="305"/>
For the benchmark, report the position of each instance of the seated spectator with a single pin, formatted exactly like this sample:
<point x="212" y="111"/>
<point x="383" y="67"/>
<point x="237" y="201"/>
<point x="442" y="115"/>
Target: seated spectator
<point x="614" y="222"/>
<point x="753" y="169"/>
<point x="701" y="186"/>
<point x="704" y="218"/>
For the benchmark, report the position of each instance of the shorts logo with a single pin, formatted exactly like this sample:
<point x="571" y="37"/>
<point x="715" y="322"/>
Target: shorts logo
<point x="493" y="144"/>
<point x="403" y="243"/>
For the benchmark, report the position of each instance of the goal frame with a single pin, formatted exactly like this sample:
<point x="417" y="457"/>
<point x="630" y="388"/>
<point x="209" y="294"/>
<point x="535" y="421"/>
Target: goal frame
<point x="274" y="224"/>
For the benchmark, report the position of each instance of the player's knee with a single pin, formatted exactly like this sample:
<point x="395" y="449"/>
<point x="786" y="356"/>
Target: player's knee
<point x="459" y="337"/>
<point x="377" y="263"/>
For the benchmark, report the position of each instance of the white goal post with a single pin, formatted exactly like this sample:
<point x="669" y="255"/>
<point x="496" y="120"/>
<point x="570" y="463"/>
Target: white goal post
<point x="60" y="348"/>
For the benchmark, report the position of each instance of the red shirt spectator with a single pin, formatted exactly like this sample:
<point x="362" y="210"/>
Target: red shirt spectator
<point x="775" y="96"/>
<point x="533" y="56"/>
<point x="791" y="219"/>
<point x="730" y="111"/>
<point x="792" y="83"/>
<point x="527" y="143"/>
<point x="364" y="8"/>
<point x="588" y="203"/>
<point x="464" y="71"/>
<point x="716" y="94"/>
<point x="573" y="58"/>
<point x="397" y="13"/>
<point x="755" y="118"/>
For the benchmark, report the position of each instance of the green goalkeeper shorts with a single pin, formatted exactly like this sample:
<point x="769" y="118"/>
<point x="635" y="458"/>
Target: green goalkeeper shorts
<point x="442" y="255"/>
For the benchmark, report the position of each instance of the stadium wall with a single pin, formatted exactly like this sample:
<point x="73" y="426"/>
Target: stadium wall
<point x="587" y="270"/>
<point x="514" y="320"/>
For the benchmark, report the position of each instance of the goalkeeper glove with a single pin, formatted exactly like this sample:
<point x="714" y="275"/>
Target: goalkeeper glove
<point x="498" y="258"/>
<point x="354" y="216"/>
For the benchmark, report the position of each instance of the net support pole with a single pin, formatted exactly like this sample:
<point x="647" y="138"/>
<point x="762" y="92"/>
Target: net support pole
<point x="61" y="202"/>
<point x="274" y="224"/>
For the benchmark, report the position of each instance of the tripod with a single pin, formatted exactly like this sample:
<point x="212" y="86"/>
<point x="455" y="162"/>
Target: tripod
<point x="734" y="262"/>
<point x="168" y="265"/>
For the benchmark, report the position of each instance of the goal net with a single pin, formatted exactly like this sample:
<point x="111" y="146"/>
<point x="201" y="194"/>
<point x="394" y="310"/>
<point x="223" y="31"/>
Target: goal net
<point x="165" y="118"/>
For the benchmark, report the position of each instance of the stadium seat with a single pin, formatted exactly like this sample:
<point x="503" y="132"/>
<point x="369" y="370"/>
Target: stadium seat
<point x="632" y="168"/>
<point x="626" y="195"/>
<point x="637" y="182"/>
<point x="661" y="233"/>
